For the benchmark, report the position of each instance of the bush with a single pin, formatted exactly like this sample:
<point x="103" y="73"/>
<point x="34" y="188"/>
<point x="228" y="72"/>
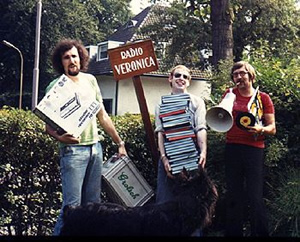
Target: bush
<point x="30" y="189"/>
<point x="28" y="175"/>
<point x="284" y="203"/>
<point x="30" y="192"/>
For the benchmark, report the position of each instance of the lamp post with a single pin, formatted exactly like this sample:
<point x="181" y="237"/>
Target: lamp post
<point x="21" y="70"/>
<point x="35" y="82"/>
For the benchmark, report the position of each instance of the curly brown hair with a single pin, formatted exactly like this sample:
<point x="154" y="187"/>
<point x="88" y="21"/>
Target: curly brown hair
<point x="65" y="45"/>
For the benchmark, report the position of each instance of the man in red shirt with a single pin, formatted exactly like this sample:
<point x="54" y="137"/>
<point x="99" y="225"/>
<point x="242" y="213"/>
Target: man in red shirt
<point x="244" y="153"/>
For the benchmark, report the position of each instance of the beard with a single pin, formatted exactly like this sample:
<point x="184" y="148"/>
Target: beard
<point x="73" y="73"/>
<point x="73" y="70"/>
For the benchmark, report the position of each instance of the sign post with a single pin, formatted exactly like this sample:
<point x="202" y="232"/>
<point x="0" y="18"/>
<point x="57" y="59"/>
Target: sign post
<point x="132" y="60"/>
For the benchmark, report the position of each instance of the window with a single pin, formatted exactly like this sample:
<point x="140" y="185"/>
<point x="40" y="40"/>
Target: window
<point x="103" y="51"/>
<point x="103" y="48"/>
<point x="92" y="49"/>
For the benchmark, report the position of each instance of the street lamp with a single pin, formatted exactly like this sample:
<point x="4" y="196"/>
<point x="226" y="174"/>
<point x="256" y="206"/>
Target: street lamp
<point x="35" y="82"/>
<point x="21" y="70"/>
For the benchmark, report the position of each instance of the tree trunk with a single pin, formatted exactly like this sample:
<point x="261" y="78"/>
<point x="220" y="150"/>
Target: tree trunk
<point x="222" y="37"/>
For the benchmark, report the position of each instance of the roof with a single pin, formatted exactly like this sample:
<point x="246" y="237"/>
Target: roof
<point x="126" y="33"/>
<point x="129" y="33"/>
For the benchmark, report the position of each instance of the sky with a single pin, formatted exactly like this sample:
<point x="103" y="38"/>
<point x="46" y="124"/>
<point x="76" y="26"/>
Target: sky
<point x="138" y="5"/>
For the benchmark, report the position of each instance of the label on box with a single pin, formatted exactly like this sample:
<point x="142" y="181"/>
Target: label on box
<point x="68" y="107"/>
<point x="126" y="182"/>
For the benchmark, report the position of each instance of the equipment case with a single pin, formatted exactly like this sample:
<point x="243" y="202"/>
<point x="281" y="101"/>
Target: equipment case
<point x="124" y="183"/>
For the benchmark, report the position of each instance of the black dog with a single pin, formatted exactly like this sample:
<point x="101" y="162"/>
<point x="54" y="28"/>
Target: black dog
<point x="193" y="208"/>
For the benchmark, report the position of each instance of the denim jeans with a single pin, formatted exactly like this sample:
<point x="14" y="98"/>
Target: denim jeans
<point x="80" y="167"/>
<point x="165" y="185"/>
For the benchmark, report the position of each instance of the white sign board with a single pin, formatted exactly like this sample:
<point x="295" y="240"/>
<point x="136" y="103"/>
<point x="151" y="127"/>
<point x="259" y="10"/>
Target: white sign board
<point x="67" y="107"/>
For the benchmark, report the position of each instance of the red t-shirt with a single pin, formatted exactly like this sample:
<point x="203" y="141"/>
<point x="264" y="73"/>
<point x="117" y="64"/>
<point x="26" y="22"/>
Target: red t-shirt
<point x="239" y="136"/>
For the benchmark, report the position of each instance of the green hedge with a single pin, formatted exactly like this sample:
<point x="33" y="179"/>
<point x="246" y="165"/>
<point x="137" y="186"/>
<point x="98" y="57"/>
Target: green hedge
<point x="29" y="175"/>
<point x="30" y="189"/>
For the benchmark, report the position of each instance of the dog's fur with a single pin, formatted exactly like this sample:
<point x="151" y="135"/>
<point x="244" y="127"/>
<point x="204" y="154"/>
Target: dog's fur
<point x="193" y="208"/>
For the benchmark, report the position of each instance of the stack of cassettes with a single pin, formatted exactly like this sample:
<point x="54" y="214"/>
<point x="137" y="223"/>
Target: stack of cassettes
<point x="179" y="141"/>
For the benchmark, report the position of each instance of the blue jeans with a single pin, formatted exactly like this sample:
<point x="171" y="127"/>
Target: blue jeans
<point x="165" y="185"/>
<point x="80" y="167"/>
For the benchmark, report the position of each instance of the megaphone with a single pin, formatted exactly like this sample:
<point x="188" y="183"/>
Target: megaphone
<point x="219" y="118"/>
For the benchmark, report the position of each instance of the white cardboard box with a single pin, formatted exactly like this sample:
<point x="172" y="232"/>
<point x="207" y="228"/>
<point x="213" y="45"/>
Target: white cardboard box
<point x="68" y="107"/>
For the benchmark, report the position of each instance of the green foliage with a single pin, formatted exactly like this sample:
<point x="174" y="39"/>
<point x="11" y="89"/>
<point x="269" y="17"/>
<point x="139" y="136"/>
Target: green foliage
<point x="30" y="188"/>
<point x="273" y="21"/>
<point x="90" y="21"/>
<point x="110" y="14"/>
<point x="131" y="129"/>
<point x="285" y="204"/>
<point x="185" y="30"/>
<point x="29" y="193"/>
<point x="280" y="78"/>
<point x="187" y="25"/>
<point x="276" y="151"/>
<point x="215" y="168"/>
<point x="220" y="80"/>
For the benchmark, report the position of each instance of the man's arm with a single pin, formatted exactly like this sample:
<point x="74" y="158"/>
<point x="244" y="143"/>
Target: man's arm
<point x="64" y="138"/>
<point x="109" y="128"/>
<point x="202" y="143"/>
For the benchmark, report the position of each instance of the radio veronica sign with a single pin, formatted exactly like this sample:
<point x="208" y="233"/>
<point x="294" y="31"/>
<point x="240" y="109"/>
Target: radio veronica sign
<point x="133" y="59"/>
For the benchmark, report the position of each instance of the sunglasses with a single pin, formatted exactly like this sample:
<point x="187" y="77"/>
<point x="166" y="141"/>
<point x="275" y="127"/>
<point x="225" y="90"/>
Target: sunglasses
<point x="178" y="75"/>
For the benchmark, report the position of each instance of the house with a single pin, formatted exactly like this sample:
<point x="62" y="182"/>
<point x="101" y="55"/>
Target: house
<point x="119" y="96"/>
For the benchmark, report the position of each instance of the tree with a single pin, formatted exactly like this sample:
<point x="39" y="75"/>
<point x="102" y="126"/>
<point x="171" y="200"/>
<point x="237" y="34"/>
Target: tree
<point x="110" y="14"/>
<point x="192" y="27"/>
<point x="222" y="37"/>
<point x="184" y="30"/>
<point x="228" y="28"/>
<point x="272" y="22"/>
<point x="60" y="19"/>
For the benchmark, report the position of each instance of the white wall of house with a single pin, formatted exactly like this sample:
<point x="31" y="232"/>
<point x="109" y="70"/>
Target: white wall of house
<point x="108" y="87"/>
<point x="154" y="88"/>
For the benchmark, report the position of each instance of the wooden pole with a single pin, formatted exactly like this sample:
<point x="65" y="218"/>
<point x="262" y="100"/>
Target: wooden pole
<point x="146" y="119"/>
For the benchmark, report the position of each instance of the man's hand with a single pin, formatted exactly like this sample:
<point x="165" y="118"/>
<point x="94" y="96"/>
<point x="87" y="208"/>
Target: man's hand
<point x="68" y="139"/>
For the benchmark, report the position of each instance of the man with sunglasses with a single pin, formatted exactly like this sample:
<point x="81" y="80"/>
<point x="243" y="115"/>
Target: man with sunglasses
<point x="180" y="80"/>
<point x="244" y="154"/>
